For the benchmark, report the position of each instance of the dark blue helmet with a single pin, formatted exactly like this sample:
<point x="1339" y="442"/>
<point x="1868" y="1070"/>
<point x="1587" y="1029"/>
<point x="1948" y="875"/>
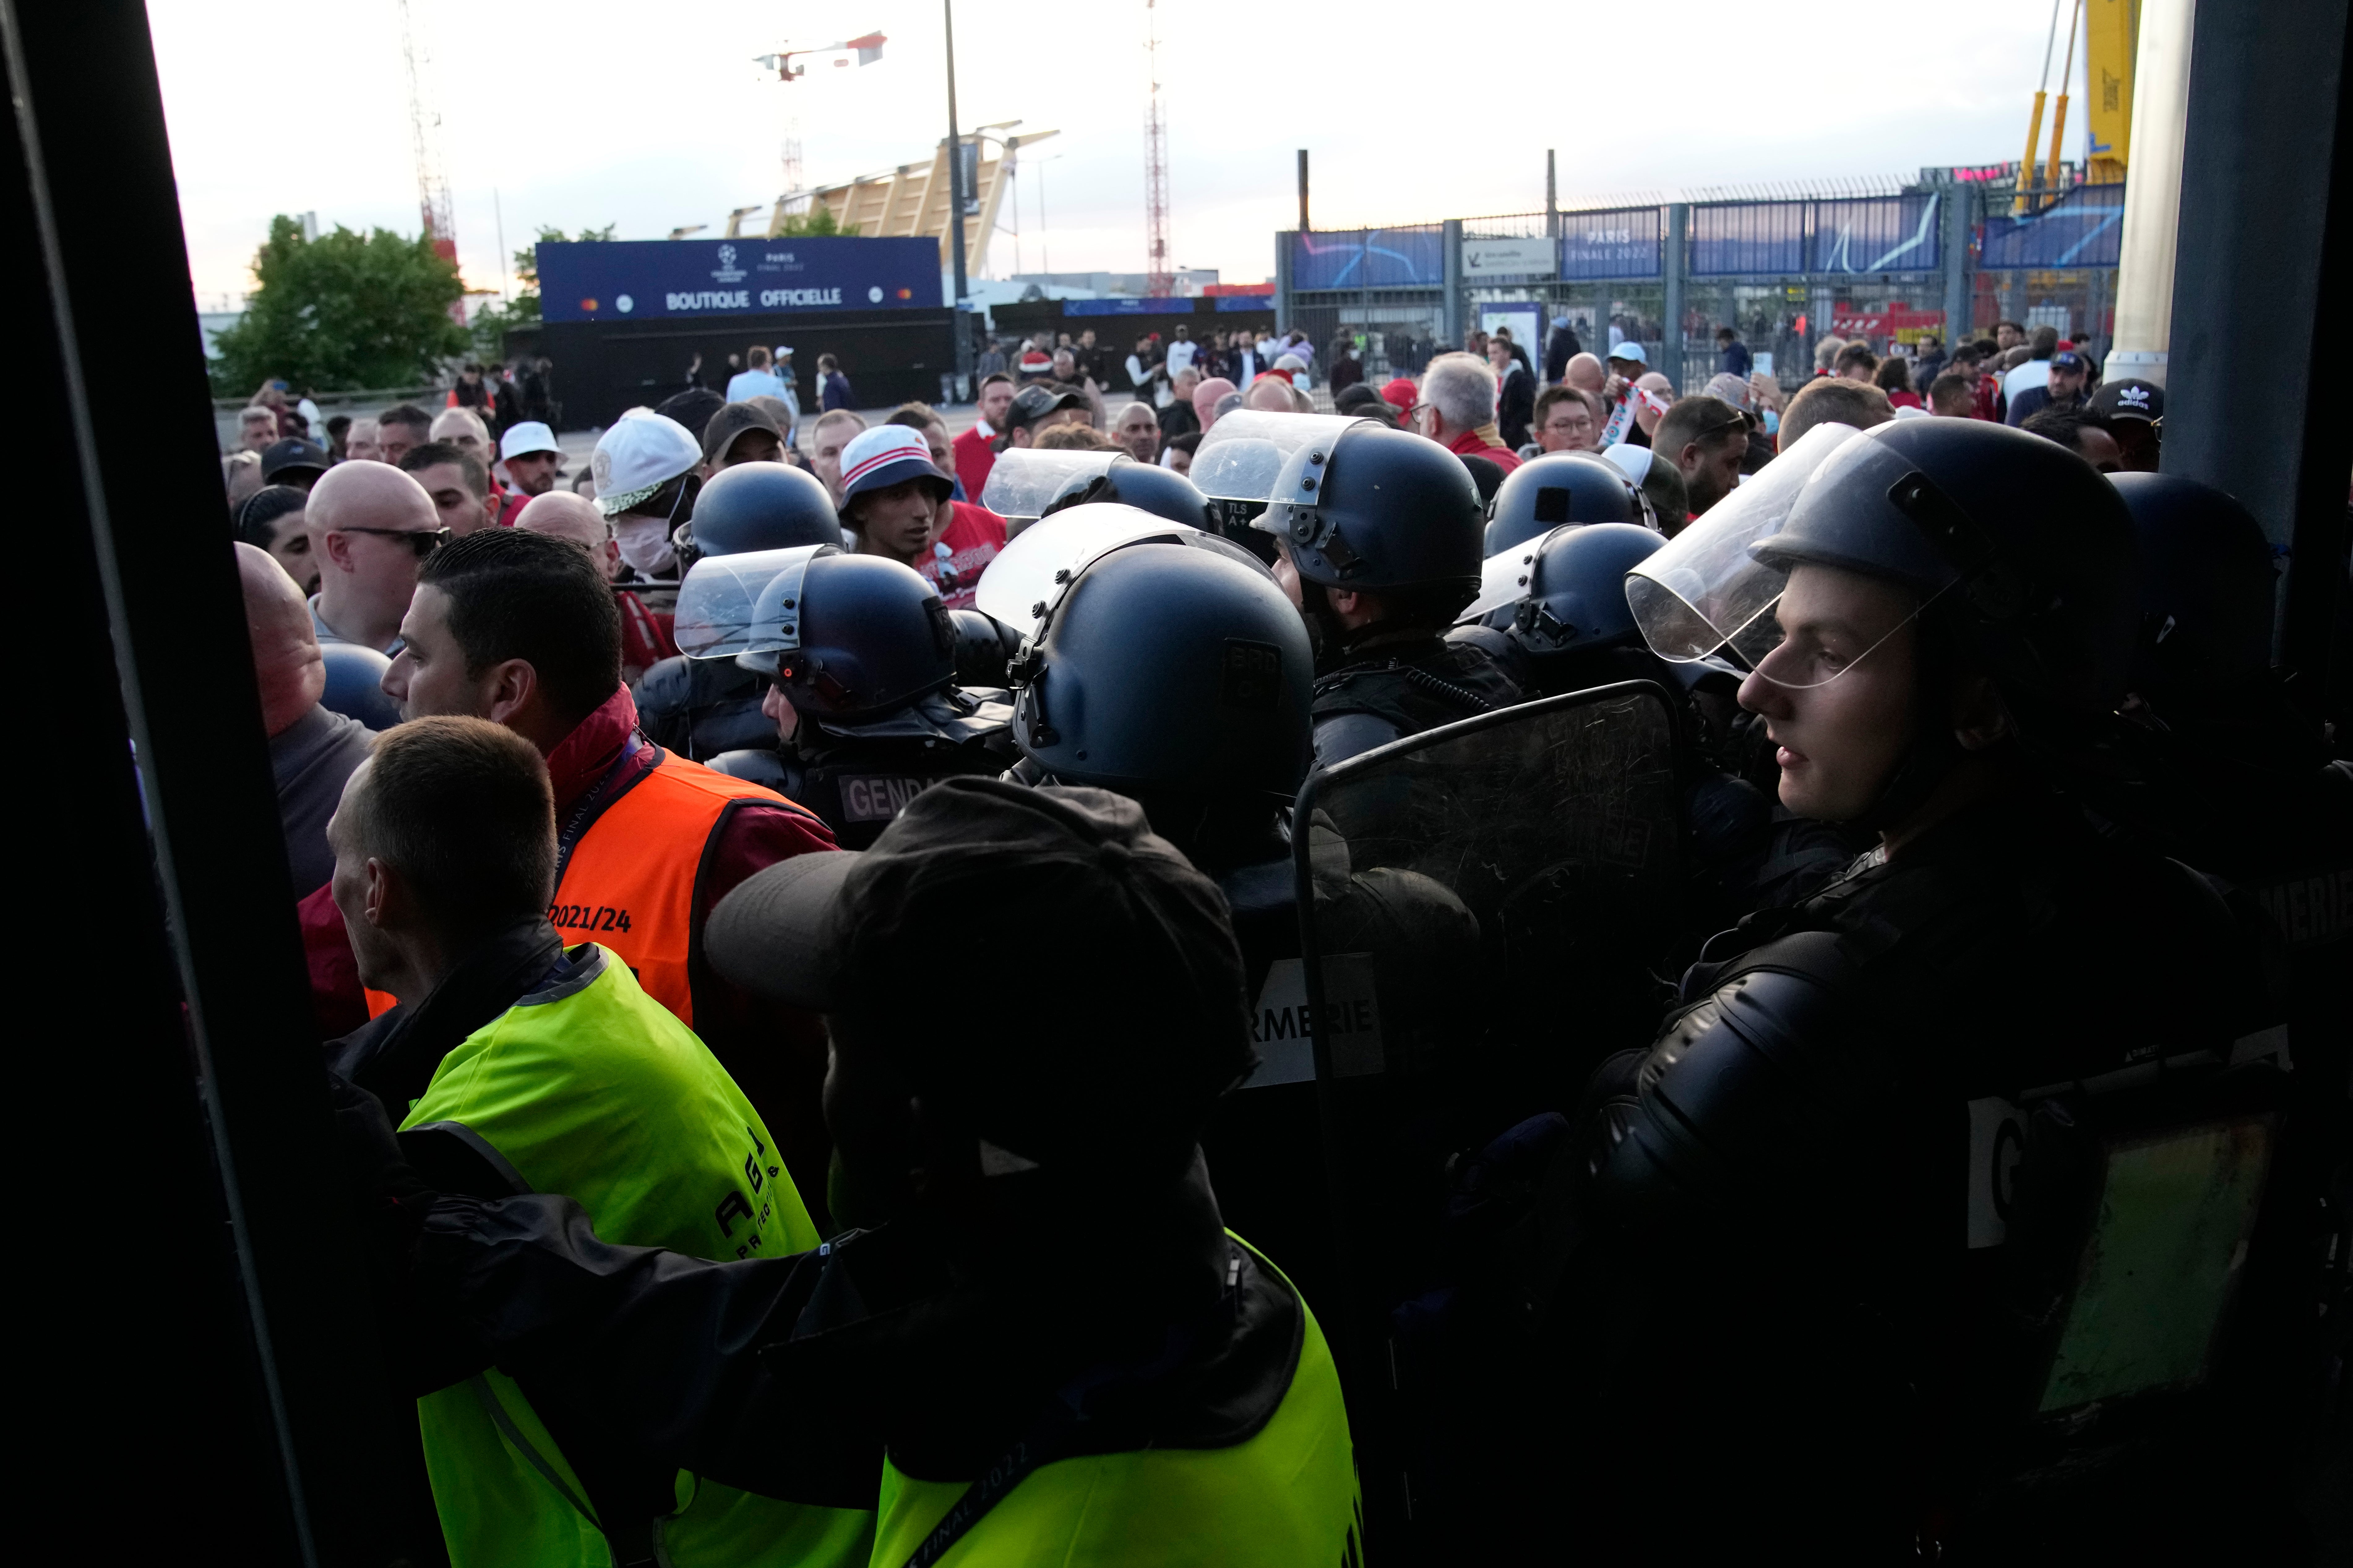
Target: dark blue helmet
<point x="1544" y="492"/>
<point x="763" y="506"/>
<point x="867" y="636"/>
<point x="1378" y="508"/>
<point x="1176" y="668"/>
<point x="1162" y="492"/>
<point x="2209" y="585"/>
<point x="355" y="685"/>
<point x="1576" y="596"/>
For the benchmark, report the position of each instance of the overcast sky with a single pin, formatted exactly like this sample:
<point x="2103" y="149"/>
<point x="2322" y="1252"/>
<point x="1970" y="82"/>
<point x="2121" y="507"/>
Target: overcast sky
<point x="653" y="115"/>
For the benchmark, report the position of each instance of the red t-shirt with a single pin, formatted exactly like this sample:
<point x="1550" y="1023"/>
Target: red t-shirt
<point x="974" y="536"/>
<point x="975" y="454"/>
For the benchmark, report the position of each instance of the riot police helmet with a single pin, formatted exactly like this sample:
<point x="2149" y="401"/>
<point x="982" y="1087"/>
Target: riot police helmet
<point x="1162" y="492"/>
<point x="850" y="637"/>
<point x="1576" y="596"/>
<point x="1379" y="509"/>
<point x="2208" y="585"/>
<point x="763" y="506"/>
<point x="1169" y="667"/>
<point x="355" y="685"/>
<point x="985" y="647"/>
<point x="2018" y="554"/>
<point x="1544" y="492"/>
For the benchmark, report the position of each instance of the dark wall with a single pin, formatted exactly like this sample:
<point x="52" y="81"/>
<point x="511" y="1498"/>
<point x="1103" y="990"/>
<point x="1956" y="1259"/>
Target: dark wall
<point x="1201" y="317"/>
<point x="603" y="367"/>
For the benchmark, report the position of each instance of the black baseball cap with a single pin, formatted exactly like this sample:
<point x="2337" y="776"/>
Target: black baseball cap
<point x="1033" y="403"/>
<point x="2130" y="399"/>
<point x="732" y="421"/>
<point x="1130" y="1019"/>
<point x="287" y="456"/>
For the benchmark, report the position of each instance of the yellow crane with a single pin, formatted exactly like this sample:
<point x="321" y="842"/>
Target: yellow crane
<point x="2110" y="31"/>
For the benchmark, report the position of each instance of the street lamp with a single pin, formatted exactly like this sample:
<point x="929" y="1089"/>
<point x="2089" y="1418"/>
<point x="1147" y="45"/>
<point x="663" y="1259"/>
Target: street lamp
<point x="955" y="208"/>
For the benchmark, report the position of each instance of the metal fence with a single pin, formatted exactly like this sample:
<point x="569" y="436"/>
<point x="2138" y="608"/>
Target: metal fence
<point x="1884" y="259"/>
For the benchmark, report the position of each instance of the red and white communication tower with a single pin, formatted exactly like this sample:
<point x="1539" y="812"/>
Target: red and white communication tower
<point x="1162" y="280"/>
<point x="424" y="134"/>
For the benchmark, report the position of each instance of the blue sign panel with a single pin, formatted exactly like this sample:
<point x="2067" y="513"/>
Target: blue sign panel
<point x="1878" y="234"/>
<point x="1369" y="258"/>
<point x="1621" y="243"/>
<point x="1729" y="238"/>
<point x="1127" y="307"/>
<point x="2084" y="229"/>
<point x="1245" y="302"/>
<point x="620" y="280"/>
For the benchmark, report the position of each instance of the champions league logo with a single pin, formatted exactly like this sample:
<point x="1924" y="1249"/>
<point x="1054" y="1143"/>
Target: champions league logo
<point x="727" y="272"/>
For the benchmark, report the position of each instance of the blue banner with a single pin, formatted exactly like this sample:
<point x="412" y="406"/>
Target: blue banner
<point x="2084" y="228"/>
<point x="1878" y="234"/>
<point x="1731" y="238"/>
<point x="1245" y="302"/>
<point x="1369" y="258"/>
<point x="1622" y="243"/>
<point x="1127" y="307"/>
<point x="631" y="279"/>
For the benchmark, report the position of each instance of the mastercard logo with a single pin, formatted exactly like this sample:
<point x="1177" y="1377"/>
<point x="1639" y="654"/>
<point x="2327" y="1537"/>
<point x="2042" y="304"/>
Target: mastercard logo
<point x="588" y="304"/>
<point x="906" y="293"/>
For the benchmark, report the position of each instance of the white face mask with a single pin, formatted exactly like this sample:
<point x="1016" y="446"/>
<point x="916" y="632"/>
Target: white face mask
<point x="645" y="543"/>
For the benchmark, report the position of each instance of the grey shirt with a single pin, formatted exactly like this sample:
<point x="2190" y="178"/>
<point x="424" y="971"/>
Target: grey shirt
<point x="311" y="759"/>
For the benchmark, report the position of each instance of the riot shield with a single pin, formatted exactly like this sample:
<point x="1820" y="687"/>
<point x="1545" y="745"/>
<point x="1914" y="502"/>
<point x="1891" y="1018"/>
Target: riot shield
<point x="1482" y="908"/>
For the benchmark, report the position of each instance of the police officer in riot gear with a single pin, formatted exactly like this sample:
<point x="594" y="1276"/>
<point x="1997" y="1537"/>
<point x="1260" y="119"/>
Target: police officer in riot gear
<point x="1174" y="671"/>
<point x="702" y="707"/>
<point x="1379" y="534"/>
<point x="859" y="659"/>
<point x="1837" y="1241"/>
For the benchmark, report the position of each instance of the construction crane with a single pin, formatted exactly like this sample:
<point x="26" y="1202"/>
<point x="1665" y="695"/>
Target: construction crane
<point x="433" y="202"/>
<point x="863" y="50"/>
<point x="1161" y="279"/>
<point x="2110" y="30"/>
<point x="735" y="220"/>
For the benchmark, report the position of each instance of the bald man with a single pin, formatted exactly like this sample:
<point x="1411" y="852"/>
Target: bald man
<point x="644" y="642"/>
<point x="1274" y="394"/>
<point x="370" y="525"/>
<point x="1649" y="411"/>
<point x="464" y="429"/>
<point x="1206" y="396"/>
<point x="1585" y="373"/>
<point x="1137" y="429"/>
<point x="312" y="750"/>
<point x="575" y="518"/>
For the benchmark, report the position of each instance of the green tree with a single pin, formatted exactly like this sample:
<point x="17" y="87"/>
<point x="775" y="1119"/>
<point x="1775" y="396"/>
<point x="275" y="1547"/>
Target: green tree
<point x="343" y="311"/>
<point x="522" y="310"/>
<point x="816" y="221"/>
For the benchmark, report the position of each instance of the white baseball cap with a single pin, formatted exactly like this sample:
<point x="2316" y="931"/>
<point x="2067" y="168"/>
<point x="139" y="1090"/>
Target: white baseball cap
<point x="531" y="436"/>
<point x="1630" y="351"/>
<point x="1629" y="459"/>
<point x="642" y="452"/>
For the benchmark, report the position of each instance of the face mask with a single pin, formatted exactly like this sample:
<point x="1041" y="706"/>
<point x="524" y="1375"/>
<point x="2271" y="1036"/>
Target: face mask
<point x="645" y="543"/>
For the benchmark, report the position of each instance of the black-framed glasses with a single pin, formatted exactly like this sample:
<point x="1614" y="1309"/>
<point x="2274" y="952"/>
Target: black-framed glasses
<point x="424" y="541"/>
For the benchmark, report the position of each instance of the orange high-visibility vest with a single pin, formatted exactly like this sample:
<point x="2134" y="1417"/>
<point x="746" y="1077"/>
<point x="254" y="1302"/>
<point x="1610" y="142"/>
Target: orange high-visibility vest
<point x="629" y="868"/>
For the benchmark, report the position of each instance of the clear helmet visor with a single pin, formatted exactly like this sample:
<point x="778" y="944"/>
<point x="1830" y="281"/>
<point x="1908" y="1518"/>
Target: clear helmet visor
<point x="734" y="604"/>
<point x="1031" y="574"/>
<point x="1707" y="589"/>
<point x="1024" y="481"/>
<point x="1506" y="576"/>
<point x="1244" y="455"/>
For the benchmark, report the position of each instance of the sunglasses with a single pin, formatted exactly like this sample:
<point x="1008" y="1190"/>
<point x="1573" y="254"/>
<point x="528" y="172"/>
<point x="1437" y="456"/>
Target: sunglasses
<point x="424" y="541"/>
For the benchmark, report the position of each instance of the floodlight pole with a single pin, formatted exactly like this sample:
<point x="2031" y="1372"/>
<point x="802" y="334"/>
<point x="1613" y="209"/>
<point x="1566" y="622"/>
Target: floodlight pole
<point x="955" y="206"/>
